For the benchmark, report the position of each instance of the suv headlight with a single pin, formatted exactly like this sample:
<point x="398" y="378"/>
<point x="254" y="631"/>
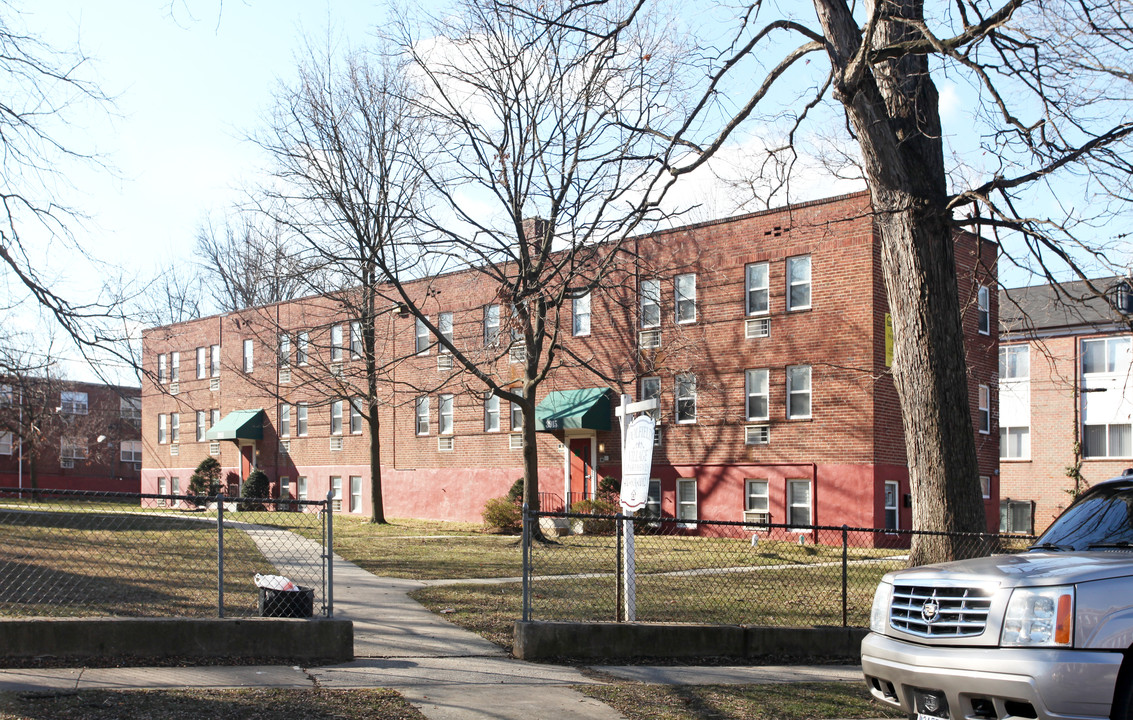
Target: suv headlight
<point x="879" y="613"/>
<point x="1039" y="617"/>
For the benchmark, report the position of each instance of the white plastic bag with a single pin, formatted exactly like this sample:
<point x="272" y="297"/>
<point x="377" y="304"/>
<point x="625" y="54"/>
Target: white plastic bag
<point x="275" y="582"/>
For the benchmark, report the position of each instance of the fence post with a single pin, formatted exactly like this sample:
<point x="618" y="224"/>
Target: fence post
<point x="526" y="563"/>
<point x="845" y="562"/>
<point x="329" y="560"/>
<point x="220" y="554"/>
<point x="619" y="614"/>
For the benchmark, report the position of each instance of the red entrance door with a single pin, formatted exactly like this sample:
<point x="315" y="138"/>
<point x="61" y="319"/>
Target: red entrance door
<point x="581" y="472"/>
<point x="247" y="462"/>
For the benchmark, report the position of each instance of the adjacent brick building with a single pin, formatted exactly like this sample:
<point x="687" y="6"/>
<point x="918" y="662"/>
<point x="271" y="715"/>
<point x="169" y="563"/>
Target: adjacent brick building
<point x="764" y="337"/>
<point x="65" y="435"/>
<point x="1065" y="396"/>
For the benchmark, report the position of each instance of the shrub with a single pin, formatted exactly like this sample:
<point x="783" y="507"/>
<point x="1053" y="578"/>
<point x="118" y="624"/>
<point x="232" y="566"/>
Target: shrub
<point x="515" y="494"/>
<point x="255" y="487"/>
<point x="596" y="506"/>
<point x="206" y="478"/>
<point x="502" y="514"/>
<point x="610" y="485"/>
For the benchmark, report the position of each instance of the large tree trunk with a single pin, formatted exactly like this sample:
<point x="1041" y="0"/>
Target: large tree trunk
<point x="377" y="509"/>
<point x="893" y="108"/>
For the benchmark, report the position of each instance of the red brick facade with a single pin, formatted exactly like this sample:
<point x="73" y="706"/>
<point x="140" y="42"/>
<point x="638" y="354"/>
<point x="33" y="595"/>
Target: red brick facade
<point x="847" y="446"/>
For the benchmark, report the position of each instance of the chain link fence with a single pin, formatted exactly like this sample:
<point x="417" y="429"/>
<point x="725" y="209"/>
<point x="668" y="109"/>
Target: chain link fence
<point x="717" y="572"/>
<point x="75" y="553"/>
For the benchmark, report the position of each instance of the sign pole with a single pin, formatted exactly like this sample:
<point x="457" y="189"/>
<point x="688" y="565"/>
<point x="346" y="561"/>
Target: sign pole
<point x="628" y="579"/>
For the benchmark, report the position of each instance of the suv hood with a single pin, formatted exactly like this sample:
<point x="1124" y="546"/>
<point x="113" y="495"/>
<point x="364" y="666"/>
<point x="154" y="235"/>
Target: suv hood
<point x="1025" y="569"/>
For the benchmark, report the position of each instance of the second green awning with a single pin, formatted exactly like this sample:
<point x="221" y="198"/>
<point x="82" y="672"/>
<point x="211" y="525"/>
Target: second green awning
<point x="238" y="425"/>
<point x="583" y="409"/>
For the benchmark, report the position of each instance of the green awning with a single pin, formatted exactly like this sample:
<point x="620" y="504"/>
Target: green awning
<point x="583" y="409"/>
<point x="239" y="425"/>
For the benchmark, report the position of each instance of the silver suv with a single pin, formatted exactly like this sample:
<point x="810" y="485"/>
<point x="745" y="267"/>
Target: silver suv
<point x="1043" y="634"/>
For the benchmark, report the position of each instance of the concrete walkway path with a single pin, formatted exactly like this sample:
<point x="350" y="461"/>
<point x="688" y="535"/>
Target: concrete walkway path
<point x="447" y="672"/>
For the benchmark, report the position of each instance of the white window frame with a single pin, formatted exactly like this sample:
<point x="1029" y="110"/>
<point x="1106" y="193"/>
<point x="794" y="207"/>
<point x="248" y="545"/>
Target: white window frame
<point x="131" y="451"/>
<point x="985" y="486"/>
<point x="420" y="337"/>
<point x="683" y="505"/>
<point x="793" y="506"/>
<point x="162" y="429"/>
<point x="74" y="402"/>
<point x="445" y="424"/>
<point x="249" y="356"/>
<point x="491" y="325"/>
<point x="201" y="428"/>
<point x="202" y="366"/>
<point x="444" y="326"/>
<point x="491" y="412"/>
<point x="984" y="400"/>
<point x="284" y="487"/>
<point x="1014" y="437"/>
<point x="302" y="348"/>
<point x="336" y="417"/>
<point x="794" y="281"/>
<point x="301" y="488"/>
<point x="163" y="368"/>
<point x="6" y="442"/>
<point x="757" y="384"/>
<point x="214" y="361"/>
<point x="175" y="366"/>
<point x="1009" y="364"/>
<point x="130" y="408"/>
<point x="580" y="315"/>
<point x="336" y="493"/>
<point x="283" y="351"/>
<point x="653" y="499"/>
<point x="355" y="493"/>
<point x="336" y="343"/>
<point x="301" y="419"/>
<point x="284" y="420"/>
<point x="174" y="428"/>
<point x="650" y="387"/>
<point x="1089" y="451"/>
<point x="515" y="413"/>
<point x="891" y="489"/>
<point x="355" y="339"/>
<point x="1110" y="352"/>
<point x="684" y="298"/>
<point x="983" y="310"/>
<point x="650" y="303"/>
<point x="421" y="415"/>
<point x="73" y="448"/>
<point x="754" y="288"/>
<point x="794" y="373"/>
<point x="356" y="416"/>
<point x="684" y="390"/>
<point x="756" y="500"/>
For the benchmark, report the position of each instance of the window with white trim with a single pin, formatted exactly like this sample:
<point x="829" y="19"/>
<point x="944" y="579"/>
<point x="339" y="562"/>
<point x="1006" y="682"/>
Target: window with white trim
<point x="336" y="492"/>
<point x="355" y="493"/>
<point x="985" y="409"/>
<point x="130" y="408"/>
<point x="756" y="393"/>
<point x="798" y="283"/>
<point x="1107" y="355"/>
<point x="214" y="361"/>
<point x="798" y="503"/>
<point x="201" y="428"/>
<point x="283" y="349"/>
<point x="686" y="398"/>
<point x="284" y="420"/>
<point x="1016" y="516"/>
<point x="356" y="406"/>
<point x="174" y="486"/>
<point x="7" y="395"/>
<point x="892" y="516"/>
<point x="684" y="291"/>
<point x="1014" y="402"/>
<point x="757" y="501"/>
<point x="650" y="389"/>
<point x="444" y="326"/>
<point x="336" y="417"/>
<point x="985" y="486"/>
<point x="202" y="363"/>
<point x="983" y="304"/>
<point x="421" y="337"/>
<point x="491" y="325"/>
<point x="301" y="419"/>
<point x="249" y="363"/>
<point x="798" y="392"/>
<point x="516" y="422"/>
<point x="162" y="368"/>
<point x="422" y="415"/>
<point x="1113" y="440"/>
<point x="73" y="403"/>
<point x="301" y="488"/>
<point x="302" y="348"/>
<point x="174" y="367"/>
<point x="580" y="315"/>
<point x="162" y="489"/>
<point x="355" y="339"/>
<point x="491" y="412"/>
<point x="214" y="417"/>
<point x="72" y="448"/>
<point x="757" y="288"/>
<point x="284" y="488"/>
<point x="162" y="428"/>
<point x="444" y="414"/>
<point x="335" y="343"/>
<point x="653" y="499"/>
<point x="174" y="427"/>
<point x="686" y="499"/>
<point x="6" y="443"/>
<point x="650" y="303"/>
<point x="131" y="451"/>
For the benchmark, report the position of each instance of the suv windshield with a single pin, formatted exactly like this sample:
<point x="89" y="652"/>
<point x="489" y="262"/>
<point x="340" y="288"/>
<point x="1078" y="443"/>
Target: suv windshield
<point x="1102" y="518"/>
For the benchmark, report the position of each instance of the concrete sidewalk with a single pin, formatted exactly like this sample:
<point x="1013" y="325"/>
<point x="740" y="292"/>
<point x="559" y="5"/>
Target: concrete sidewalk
<point x="447" y="672"/>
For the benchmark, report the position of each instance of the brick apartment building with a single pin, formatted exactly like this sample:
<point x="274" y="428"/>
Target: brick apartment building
<point x="66" y="435"/>
<point x="763" y="336"/>
<point x="1064" y="383"/>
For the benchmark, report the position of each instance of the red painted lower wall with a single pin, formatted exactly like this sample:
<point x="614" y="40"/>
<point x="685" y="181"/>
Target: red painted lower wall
<point x="91" y="483"/>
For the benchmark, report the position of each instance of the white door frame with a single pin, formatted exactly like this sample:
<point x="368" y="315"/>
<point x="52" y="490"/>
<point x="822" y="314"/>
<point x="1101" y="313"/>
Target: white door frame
<point x="569" y="435"/>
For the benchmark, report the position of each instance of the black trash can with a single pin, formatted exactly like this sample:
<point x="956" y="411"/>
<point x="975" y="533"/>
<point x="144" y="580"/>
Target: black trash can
<point x="287" y="603"/>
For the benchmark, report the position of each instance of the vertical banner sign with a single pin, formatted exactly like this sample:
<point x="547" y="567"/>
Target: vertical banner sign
<point x="637" y="460"/>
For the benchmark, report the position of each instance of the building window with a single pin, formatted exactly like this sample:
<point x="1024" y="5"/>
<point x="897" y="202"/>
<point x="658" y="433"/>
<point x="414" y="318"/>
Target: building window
<point x="214" y="360"/>
<point x="756" y="288"/>
<point x="7" y="396"/>
<point x="162" y="368"/>
<point x="72" y="449"/>
<point x="355" y="493"/>
<point x="798" y="503"/>
<point x="356" y="416"/>
<point x="650" y="303"/>
<point x="301" y="419"/>
<point x="1014" y="443"/>
<point x="756" y="391"/>
<point x="517" y="413"/>
<point x="580" y="313"/>
<point x="1014" y="362"/>
<point x="202" y="363"/>
<point x="985" y="409"/>
<point x="421" y="333"/>
<point x="798" y="392"/>
<point x="73" y="403"/>
<point x="284" y="488"/>
<point x="1016" y="516"/>
<point x="355" y="340"/>
<point x="131" y="451"/>
<point x="686" y="499"/>
<point x="162" y="425"/>
<point x="423" y="415"/>
<point x="336" y="417"/>
<point x="284" y="353"/>
<point x="798" y="283"/>
<point x="686" y="398"/>
<point x="175" y="367"/>
<point x="336" y="343"/>
<point x="491" y="325"/>
<point x="491" y="413"/>
<point x="302" y="348"/>
<point x="248" y="361"/>
<point x="174" y="486"/>
<point x="985" y="486"/>
<point x="650" y="389"/>
<point x="201" y="427"/>
<point x="336" y="492"/>
<point x="284" y="420"/>
<point x="444" y="414"/>
<point x="1014" y="402"/>
<point x="6" y="443"/>
<point x="1110" y="355"/>
<point x="757" y="505"/>
<point x="130" y="408"/>
<point x="892" y="521"/>
<point x="174" y="427"/>
<point x="1112" y="440"/>
<point x="685" y="298"/>
<point x="444" y="325"/>
<point x="653" y="499"/>
<point x="983" y="302"/>
<point x="162" y="489"/>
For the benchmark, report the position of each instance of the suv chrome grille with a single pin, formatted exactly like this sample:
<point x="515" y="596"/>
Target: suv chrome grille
<point x="936" y="611"/>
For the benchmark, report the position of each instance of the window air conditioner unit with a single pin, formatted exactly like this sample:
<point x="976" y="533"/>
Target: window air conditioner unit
<point x="336" y="443"/>
<point x="138" y="466"/>
<point x="444" y="363"/>
<point x="649" y="339"/>
<point x="285" y="375"/>
<point x="657" y="436"/>
<point x="517" y="354"/>
<point x="284" y="447"/>
<point x="214" y="384"/>
<point x="67" y="462"/>
<point x="515" y="441"/>
<point x="336" y="369"/>
<point x="214" y="448"/>
<point x="757" y="328"/>
<point x="174" y="450"/>
<point x="757" y="435"/>
<point x="757" y="518"/>
<point x="174" y="388"/>
<point x="445" y="443"/>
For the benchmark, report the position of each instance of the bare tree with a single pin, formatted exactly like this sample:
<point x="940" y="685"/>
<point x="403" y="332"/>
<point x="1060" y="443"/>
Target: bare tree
<point x="342" y="139"/>
<point x="541" y="167"/>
